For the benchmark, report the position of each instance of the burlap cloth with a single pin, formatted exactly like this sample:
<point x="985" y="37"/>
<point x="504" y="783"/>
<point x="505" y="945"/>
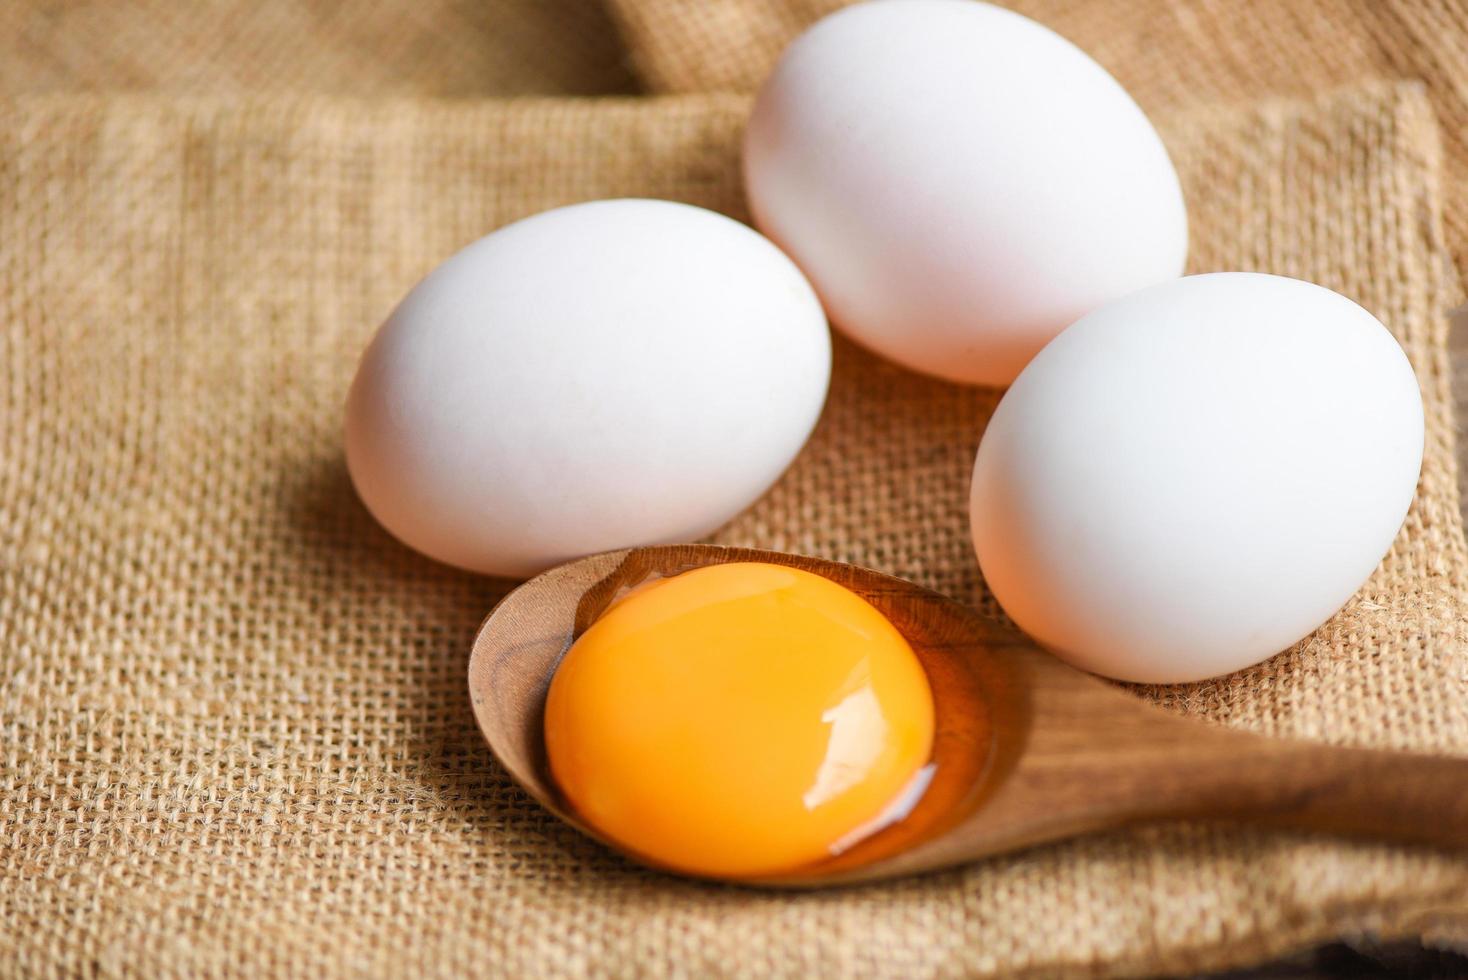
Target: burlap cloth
<point x="1169" y="53"/>
<point x="236" y="735"/>
<point x="344" y="47"/>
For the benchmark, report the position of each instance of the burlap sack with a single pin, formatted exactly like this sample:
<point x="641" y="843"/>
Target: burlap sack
<point x="236" y="736"/>
<point x="344" y="47"/>
<point x="1168" y="53"/>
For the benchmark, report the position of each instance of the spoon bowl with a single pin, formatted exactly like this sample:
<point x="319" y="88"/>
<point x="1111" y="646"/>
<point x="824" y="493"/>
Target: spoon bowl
<point x="1026" y="749"/>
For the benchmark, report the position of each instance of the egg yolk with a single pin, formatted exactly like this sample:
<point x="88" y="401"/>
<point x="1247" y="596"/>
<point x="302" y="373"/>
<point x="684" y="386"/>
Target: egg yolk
<point x="738" y="720"/>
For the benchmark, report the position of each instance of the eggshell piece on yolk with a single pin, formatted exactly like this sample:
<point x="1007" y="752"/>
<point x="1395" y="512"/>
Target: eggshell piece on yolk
<point x="738" y="720"/>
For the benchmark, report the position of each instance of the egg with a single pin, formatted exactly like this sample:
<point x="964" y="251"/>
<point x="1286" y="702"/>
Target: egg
<point x="598" y="376"/>
<point x="739" y="720"/>
<point x="1196" y="477"/>
<point x="959" y="183"/>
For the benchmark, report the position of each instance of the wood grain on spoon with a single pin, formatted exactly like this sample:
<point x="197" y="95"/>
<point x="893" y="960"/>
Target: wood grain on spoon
<point x="1027" y="749"/>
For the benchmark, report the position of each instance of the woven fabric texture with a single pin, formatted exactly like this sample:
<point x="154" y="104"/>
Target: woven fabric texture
<point x="1169" y="54"/>
<point x="234" y="727"/>
<point x="342" y="47"/>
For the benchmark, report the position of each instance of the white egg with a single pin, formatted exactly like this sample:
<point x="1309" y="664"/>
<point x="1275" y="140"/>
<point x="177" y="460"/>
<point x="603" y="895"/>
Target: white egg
<point x="1195" y="477"/>
<point x="598" y="376"/>
<point x="959" y="183"/>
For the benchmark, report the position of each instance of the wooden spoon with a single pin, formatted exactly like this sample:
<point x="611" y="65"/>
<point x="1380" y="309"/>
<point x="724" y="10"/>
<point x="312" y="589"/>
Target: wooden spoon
<point x="1027" y="748"/>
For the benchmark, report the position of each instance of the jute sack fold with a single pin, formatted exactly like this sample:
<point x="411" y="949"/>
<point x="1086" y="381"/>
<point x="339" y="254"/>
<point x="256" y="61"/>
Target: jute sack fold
<point x="271" y="47"/>
<point x="234" y="730"/>
<point x="1169" y="54"/>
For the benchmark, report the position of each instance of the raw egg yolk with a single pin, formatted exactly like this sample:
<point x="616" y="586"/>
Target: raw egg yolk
<point x="739" y="720"/>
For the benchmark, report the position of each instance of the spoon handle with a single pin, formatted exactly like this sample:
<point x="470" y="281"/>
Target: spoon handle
<point x="1388" y="795"/>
